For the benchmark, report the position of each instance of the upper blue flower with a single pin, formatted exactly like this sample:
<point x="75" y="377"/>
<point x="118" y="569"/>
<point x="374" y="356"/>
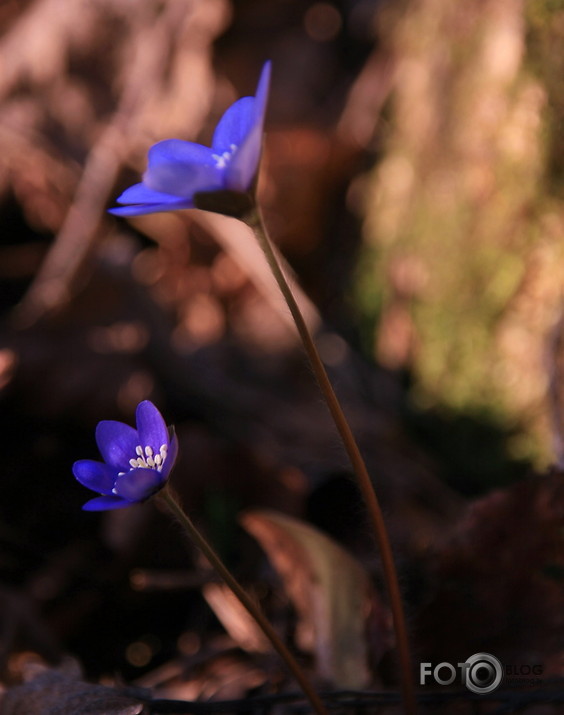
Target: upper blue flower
<point x="136" y="463"/>
<point x="177" y="170"/>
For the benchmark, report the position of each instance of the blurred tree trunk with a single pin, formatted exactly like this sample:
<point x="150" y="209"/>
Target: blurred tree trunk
<point x="461" y="238"/>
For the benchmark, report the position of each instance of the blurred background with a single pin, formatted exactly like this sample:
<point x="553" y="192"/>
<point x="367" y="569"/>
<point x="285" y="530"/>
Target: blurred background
<point x="412" y="178"/>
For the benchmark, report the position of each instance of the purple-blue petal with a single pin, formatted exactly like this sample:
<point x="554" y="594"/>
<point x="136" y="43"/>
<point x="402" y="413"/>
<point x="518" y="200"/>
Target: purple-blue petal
<point x="97" y="476"/>
<point x="170" y="457"/>
<point x="182" y="168"/>
<point x="263" y="90"/>
<point x="234" y="126"/>
<point x="151" y="426"/>
<point x="243" y="167"/>
<point x="141" y="194"/>
<point x="139" y="484"/>
<point x="142" y="209"/>
<point x="117" y="442"/>
<point x="179" y="151"/>
<point x="107" y="502"/>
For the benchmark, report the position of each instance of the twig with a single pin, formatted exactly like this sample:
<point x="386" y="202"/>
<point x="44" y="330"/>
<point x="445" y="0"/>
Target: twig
<point x="52" y="286"/>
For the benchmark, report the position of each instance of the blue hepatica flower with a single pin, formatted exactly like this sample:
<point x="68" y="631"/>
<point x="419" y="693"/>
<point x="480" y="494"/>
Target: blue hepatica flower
<point x="136" y="463"/>
<point x="179" y="170"/>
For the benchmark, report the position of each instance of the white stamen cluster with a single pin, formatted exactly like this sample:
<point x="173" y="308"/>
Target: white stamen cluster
<point x="147" y="459"/>
<point x="221" y="160"/>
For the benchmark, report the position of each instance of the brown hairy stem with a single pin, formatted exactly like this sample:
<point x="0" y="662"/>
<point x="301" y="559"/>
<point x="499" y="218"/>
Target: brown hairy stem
<point x="169" y="500"/>
<point x="255" y="221"/>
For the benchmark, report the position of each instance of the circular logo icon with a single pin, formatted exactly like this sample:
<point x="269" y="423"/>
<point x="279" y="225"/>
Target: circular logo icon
<point x="483" y="673"/>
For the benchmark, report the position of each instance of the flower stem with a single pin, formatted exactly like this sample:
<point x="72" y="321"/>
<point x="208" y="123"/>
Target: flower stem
<point x="255" y="221"/>
<point x="170" y="500"/>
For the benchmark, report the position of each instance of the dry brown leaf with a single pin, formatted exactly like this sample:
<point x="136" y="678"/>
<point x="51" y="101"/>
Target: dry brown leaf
<point x="235" y="618"/>
<point x="330" y="590"/>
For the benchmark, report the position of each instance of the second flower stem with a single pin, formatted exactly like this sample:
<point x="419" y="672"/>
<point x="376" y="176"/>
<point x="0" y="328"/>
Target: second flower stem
<point x="255" y="221"/>
<point x="169" y="500"/>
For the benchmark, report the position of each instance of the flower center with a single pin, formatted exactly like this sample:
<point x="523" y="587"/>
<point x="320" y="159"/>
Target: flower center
<point x="221" y="160"/>
<point x="147" y="459"/>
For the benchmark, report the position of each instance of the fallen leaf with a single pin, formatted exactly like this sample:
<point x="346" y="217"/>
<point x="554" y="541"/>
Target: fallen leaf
<point x="235" y="618"/>
<point x="330" y="591"/>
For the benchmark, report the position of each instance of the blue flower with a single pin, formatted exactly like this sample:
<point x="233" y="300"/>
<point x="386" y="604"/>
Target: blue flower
<point x="136" y="463"/>
<point x="178" y="170"/>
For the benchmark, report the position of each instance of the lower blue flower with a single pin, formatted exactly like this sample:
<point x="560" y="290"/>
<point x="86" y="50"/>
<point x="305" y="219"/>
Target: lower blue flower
<point x="137" y="462"/>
